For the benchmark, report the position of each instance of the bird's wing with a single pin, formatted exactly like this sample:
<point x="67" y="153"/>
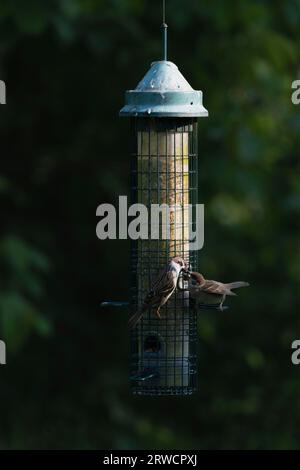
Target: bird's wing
<point x="163" y="287"/>
<point x="214" y="287"/>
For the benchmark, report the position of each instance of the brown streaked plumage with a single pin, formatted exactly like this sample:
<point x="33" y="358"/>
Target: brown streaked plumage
<point x="211" y="292"/>
<point x="161" y="290"/>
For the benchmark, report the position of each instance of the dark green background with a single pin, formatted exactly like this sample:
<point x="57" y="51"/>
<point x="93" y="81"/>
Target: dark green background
<point x="64" y="151"/>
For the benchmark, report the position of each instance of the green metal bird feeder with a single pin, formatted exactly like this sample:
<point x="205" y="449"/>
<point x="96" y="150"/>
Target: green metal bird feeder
<point x="164" y="110"/>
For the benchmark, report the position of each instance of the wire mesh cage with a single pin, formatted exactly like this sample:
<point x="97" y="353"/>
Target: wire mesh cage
<point x="164" y="172"/>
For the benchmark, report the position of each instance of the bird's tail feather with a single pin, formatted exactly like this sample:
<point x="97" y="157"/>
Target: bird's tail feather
<point x="237" y="285"/>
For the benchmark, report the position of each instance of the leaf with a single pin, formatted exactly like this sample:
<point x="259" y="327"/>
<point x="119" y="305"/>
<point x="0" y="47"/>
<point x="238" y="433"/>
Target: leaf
<point x="19" y="318"/>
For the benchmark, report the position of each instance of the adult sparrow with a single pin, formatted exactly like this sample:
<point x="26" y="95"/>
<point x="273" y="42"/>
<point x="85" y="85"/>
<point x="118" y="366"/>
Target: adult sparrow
<point x="211" y="292"/>
<point x="161" y="290"/>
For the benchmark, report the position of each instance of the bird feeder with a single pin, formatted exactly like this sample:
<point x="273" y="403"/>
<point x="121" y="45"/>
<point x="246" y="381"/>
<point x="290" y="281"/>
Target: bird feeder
<point x="164" y="110"/>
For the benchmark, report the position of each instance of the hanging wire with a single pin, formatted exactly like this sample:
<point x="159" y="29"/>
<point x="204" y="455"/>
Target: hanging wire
<point x="165" y="33"/>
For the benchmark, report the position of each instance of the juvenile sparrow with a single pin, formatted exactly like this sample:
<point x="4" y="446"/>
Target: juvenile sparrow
<point x="161" y="290"/>
<point x="211" y="292"/>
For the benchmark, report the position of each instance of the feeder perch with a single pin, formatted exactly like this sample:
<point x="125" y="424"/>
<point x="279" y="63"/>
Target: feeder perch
<point x="163" y="110"/>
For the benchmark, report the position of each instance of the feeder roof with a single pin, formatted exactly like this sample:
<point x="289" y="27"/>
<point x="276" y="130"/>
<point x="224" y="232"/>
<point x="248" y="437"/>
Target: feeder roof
<point x="163" y="92"/>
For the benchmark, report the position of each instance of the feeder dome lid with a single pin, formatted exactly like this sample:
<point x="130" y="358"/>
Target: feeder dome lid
<point x="164" y="92"/>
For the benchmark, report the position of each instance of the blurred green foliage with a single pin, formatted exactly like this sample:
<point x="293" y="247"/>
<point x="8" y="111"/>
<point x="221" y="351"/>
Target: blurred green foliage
<point x="64" y="151"/>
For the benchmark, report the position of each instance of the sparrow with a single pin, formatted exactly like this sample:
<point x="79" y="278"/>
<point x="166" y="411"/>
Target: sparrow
<point x="161" y="290"/>
<point x="211" y="292"/>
